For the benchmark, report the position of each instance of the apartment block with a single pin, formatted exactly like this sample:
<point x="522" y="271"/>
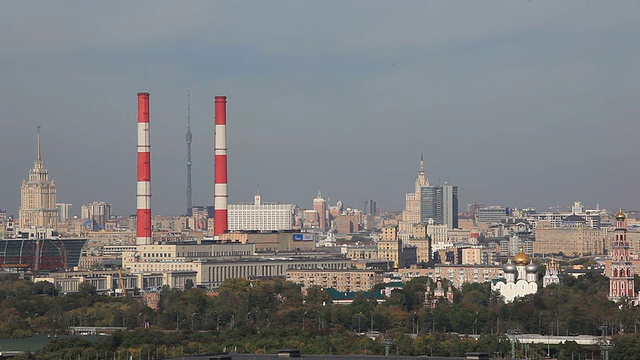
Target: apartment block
<point x="340" y="280"/>
<point x="457" y="274"/>
<point x="571" y="241"/>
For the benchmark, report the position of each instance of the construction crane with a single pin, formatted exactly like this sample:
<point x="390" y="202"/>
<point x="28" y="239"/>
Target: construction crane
<point x="124" y="290"/>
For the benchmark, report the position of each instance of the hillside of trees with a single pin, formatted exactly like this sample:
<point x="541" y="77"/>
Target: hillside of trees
<point x="261" y="316"/>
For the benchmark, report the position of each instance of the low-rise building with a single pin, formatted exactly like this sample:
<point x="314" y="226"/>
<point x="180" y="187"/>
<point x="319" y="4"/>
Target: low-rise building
<point x="212" y="272"/>
<point x="457" y="275"/>
<point x="360" y="252"/>
<point x="108" y="281"/>
<point x="340" y="280"/>
<point x="274" y="240"/>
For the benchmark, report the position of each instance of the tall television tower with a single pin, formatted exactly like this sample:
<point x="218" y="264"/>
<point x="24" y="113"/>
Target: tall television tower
<point x="189" y="138"/>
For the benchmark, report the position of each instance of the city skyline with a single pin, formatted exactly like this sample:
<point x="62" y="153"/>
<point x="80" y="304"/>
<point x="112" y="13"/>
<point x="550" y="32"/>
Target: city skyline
<point x="520" y="104"/>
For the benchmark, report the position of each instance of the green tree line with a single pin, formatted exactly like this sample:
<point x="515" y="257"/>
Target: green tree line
<point x="261" y="316"/>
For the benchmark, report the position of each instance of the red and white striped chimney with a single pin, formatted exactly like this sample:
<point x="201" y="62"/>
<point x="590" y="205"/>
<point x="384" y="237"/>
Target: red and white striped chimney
<point x="220" y="224"/>
<point x="143" y="193"/>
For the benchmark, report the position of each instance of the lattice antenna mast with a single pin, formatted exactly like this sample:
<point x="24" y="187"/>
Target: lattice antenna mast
<point x="189" y="138"/>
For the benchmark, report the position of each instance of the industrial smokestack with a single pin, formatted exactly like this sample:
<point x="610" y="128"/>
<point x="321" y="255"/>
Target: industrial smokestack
<point x="143" y="193"/>
<point x="220" y="224"/>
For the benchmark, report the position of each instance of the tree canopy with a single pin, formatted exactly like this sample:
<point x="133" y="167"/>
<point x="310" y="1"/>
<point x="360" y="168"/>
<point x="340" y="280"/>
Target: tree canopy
<point x="265" y="315"/>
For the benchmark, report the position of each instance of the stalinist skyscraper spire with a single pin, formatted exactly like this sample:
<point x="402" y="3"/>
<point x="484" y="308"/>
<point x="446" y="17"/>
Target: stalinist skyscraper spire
<point x="422" y="176"/>
<point x="411" y="214"/>
<point x="38" y="196"/>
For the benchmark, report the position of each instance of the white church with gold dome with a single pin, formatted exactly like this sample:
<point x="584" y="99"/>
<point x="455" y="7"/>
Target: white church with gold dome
<point x="520" y="278"/>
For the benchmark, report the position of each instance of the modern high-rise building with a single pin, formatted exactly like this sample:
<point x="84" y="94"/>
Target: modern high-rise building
<point x="369" y="207"/>
<point x="430" y="205"/>
<point x="261" y="216"/>
<point x="439" y="205"/>
<point x="450" y="206"/>
<point x="38" y="197"/>
<point x="320" y="205"/>
<point x="64" y="211"/>
<point x="98" y="212"/>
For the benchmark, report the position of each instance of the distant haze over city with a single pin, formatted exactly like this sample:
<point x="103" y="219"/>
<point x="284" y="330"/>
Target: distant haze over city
<point x="526" y="103"/>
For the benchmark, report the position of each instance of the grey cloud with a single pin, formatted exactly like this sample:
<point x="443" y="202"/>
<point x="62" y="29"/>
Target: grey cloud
<point x="519" y="103"/>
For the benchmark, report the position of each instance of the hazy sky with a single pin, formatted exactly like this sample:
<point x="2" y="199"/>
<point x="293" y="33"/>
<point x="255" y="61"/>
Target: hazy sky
<point x="519" y="103"/>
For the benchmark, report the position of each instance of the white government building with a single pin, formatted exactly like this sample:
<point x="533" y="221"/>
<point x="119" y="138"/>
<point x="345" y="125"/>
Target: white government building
<point x="261" y="216"/>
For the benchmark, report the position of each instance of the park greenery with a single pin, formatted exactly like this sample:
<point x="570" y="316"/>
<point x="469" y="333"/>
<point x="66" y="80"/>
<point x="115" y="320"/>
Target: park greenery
<point x="262" y="316"/>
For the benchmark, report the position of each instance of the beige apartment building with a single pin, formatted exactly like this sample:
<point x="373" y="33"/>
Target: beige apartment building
<point x="111" y="237"/>
<point x="571" y="241"/>
<point x="347" y="223"/>
<point x="389" y="245"/>
<point x="389" y="250"/>
<point x="471" y="256"/>
<point x="442" y="234"/>
<point x="360" y="252"/>
<point x="419" y="231"/>
<point x="340" y="280"/>
<point x="421" y="241"/>
<point x="423" y="249"/>
<point x="457" y="274"/>
<point x="170" y="222"/>
<point x="389" y="232"/>
<point x="459" y="235"/>
<point x="439" y="233"/>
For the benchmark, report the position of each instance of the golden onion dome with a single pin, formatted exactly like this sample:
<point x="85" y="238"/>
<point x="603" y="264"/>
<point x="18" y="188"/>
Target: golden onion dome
<point x="620" y="216"/>
<point x="521" y="258"/>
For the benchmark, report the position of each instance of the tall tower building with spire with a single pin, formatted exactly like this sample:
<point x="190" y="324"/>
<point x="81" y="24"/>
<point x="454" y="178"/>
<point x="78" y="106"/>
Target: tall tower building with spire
<point x="38" y="197"/>
<point x="621" y="270"/>
<point x="320" y="205"/>
<point x="411" y="214"/>
<point x="189" y="139"/>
